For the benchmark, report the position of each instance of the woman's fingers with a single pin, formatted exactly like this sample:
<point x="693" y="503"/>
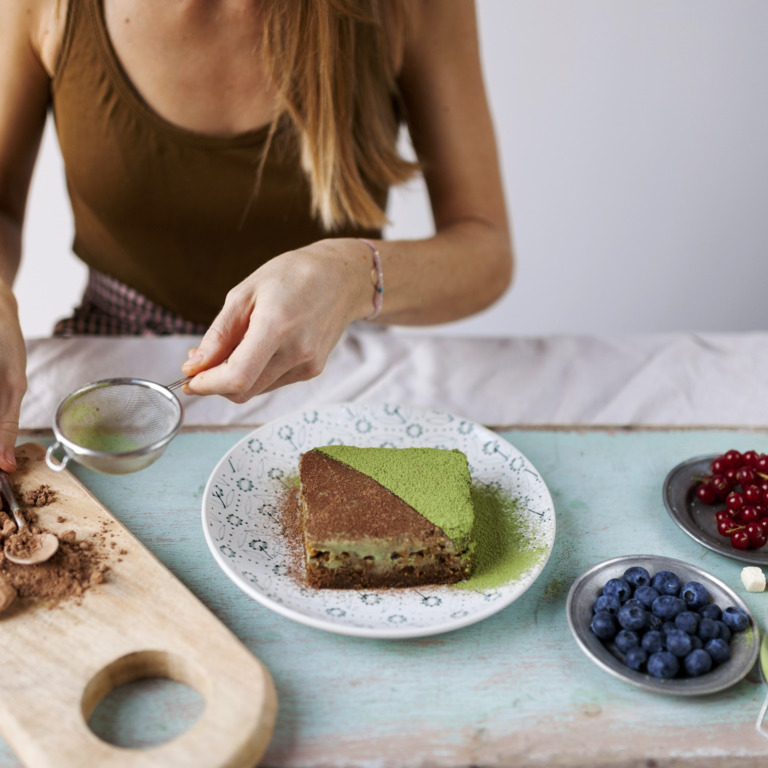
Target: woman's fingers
<point x="223" y="335"/>
<point x="9" y="430"/>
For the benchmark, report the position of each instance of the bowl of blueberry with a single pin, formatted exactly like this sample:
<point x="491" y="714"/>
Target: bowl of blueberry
<point x="663" y="625"/>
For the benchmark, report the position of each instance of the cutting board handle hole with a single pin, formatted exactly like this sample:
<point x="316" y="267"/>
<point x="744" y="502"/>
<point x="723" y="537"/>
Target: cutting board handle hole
<point x="144" y="699"/>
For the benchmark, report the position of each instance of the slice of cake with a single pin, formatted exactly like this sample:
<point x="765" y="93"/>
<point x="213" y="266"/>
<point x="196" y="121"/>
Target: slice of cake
<point x="385" y="517"/>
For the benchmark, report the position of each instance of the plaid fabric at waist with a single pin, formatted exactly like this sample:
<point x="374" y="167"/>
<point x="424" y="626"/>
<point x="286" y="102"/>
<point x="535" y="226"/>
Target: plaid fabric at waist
<point x="112" y="308"/>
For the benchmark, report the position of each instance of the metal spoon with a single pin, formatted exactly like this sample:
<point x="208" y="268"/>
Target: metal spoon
<point x="47" y="542"/>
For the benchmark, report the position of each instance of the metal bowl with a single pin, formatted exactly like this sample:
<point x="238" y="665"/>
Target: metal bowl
<point x="745" y="645"/>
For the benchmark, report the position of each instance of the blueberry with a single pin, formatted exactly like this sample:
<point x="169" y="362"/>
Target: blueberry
<point x="609" y="603"/>
<point x="619" y="588"/>
<point x="666" y="607"/>
<point x="688" y="621"/>
<point x="695" y="595"/>
<point x="652" y="622"/>
<point x="663" y="664"/>
<point x="631" y="617"/>
<point x="696" y="642"/>
<point x="679" y="643"/>
<point x="604" y="625"/>
<point x="653" y="641"/>
<point x="697" y="662"/>
<point x="626" y="639"/>
<point x="718" y="649"/>
<point x="708" y="629"/>
<point x="735" y="619"/>
<point x="725" y="633"/>
<point x="636" y="658"/>
<point x="637" y="576"/>
<point x="666" y="583"/>
<point x="711" y="611"/>
<point x="646" y="595"/>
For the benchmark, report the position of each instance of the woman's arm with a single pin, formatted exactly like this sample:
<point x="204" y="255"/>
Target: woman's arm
<point x="24" y="86"/>
<point x="280" y="324"/>
<point x="468" y="263"/>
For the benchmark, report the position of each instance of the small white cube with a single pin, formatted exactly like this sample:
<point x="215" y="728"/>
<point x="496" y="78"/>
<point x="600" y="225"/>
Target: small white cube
<point x="753" y="579"/>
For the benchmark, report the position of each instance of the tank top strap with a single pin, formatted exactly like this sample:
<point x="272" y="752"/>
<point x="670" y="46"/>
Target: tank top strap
<point x="74" y="16"/>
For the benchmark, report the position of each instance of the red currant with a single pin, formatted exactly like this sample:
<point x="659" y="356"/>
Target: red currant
<point x="745" y="476"/>
<point x="761" y="465"/>
<point x="756" y="531"/>
<point x="724" y="514"/>
<point x="728" y="527"/>
<point x="752" y="494"/>
<point x="720" y="486"/>
<point x="758" y="535"/>
<point x="749" y="515"/>
<point x="734" y="501"/>
<point x="749" y="458"/>
<point x="732" y="459"/>
<point x="705" y="493"/>
<point x="740" y="539"/>
<point x="718" y="466"/>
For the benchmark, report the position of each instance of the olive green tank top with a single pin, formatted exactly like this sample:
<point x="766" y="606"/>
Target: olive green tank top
<point x="172" y="213"/>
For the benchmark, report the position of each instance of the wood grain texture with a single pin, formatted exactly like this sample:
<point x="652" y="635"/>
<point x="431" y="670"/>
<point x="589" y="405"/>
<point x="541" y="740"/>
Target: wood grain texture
<point x="512" y="690"/>
<point x="60" y="661"/>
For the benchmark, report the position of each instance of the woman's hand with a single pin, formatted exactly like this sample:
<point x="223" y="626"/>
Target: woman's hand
<point x="280" y="324"/>
<point x="13" y="381"/>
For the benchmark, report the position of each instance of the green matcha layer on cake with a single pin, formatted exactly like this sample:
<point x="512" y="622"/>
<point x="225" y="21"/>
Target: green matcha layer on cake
<point x="385" y="517"/>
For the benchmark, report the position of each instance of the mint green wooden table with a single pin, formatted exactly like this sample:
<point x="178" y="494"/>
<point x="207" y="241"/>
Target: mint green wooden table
<point x="512" y="690"/>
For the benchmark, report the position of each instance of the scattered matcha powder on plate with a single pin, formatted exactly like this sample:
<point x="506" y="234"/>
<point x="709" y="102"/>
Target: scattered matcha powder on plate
<point x="505" y="540"/>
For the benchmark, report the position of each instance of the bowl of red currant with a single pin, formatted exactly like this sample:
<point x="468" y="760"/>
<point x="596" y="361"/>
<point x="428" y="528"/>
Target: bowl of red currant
<point x="721" y="500"/>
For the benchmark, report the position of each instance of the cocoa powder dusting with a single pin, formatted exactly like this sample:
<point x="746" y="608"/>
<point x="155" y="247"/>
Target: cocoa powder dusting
<point x="293" y="536"/>
<point x="76" y="566"/>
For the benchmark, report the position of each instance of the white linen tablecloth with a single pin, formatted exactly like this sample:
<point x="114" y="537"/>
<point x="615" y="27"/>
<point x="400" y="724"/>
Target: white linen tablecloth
<point x="708" y="379"/>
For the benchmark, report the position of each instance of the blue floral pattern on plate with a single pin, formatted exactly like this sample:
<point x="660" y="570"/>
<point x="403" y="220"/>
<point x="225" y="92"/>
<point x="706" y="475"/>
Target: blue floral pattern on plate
<point x="242" y="527"/>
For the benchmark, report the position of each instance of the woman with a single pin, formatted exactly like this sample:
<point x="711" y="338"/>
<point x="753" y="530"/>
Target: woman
<point x="228" y="163"/>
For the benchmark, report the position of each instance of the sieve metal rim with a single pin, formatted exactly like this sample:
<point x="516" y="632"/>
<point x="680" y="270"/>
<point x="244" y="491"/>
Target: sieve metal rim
<point x="77" y="450"/>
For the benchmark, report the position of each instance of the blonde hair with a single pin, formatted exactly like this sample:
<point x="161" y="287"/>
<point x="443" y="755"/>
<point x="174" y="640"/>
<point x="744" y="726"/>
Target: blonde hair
<point x="332" y="64"/>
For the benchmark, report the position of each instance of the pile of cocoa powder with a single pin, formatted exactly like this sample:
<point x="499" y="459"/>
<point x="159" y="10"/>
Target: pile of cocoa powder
<point x="78" y="564"/>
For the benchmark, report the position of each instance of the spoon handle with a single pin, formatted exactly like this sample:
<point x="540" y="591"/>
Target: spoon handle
<point x="7" y="491"/>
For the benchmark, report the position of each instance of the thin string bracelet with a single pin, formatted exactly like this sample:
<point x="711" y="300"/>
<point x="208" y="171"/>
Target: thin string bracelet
<point x="377" y="278"/>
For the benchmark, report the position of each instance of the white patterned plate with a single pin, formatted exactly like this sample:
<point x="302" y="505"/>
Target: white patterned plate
<point x="243" y="531"/>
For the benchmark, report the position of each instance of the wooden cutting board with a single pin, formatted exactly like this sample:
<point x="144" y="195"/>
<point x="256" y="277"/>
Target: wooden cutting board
<point x="59" y="661"/>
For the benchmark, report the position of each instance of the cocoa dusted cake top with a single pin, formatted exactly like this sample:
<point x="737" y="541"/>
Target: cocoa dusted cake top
<point x="434" y="481"/>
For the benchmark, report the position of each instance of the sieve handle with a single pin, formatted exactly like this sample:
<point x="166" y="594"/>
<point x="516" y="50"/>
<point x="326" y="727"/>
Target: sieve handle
<point x="177" y="384"/>
<point x="55" y="465"/>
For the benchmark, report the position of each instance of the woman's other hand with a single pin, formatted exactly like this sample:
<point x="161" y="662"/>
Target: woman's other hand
<point x="13" y="382"/>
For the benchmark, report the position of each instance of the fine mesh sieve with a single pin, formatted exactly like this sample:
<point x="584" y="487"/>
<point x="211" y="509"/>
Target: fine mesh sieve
<point x="115" y="426"/>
